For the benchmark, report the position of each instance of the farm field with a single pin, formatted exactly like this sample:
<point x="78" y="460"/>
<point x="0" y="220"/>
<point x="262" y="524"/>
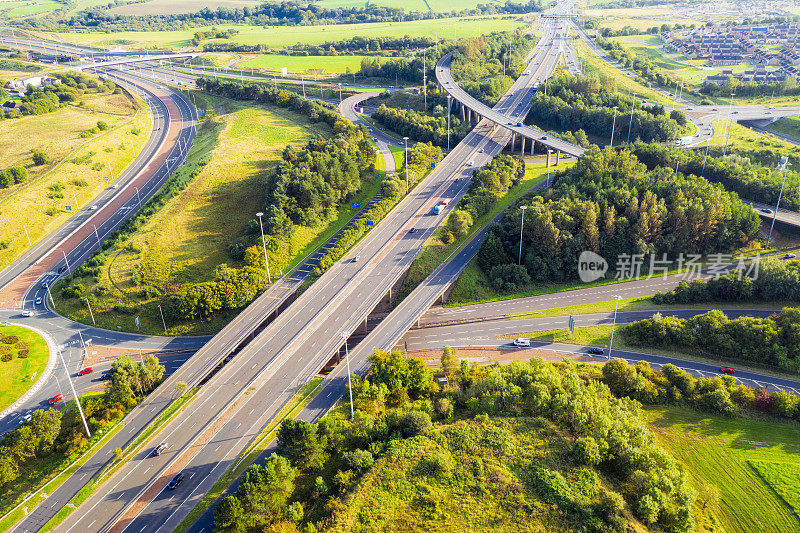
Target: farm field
<point x="78" y="166"/>
<point x="740" y="466"/>
<point x="18" y="374"/>
<point x="281" y="36"/>
<point x="641" y="19"/>
<point x="329" y="64"/>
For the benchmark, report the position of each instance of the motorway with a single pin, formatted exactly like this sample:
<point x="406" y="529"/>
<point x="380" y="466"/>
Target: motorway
<point x="383" y="141"/>
<point x="267" y="371"/>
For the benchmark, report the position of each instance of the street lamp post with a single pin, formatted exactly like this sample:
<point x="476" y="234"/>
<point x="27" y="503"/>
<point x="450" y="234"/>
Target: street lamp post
<point x="75" y="395"/>
<point x="613" y="125"/>
<point x="65" y="260"/>
<point x="138" y="197"/>
<point x="163" y="322"/>
<point x="613" y="324"/>
<point x="630" y="123"/>
<point x="405" y="150"/>
<point x="730" y="123"/>
<point x="785" y="164"/>
<point x="87" y="305"/>
<point x="264" y="243"/>
<point x="349" y="382"/>
<point x="521" y="226"/>
<point x="448" y="121"/>
<point x="340" y="93"/>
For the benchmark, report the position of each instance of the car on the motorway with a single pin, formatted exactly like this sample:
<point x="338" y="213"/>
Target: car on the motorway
<point x="356" y="258"/>
<point x="480" y="151"/>
<point x="727" y="370"/>
<point x="766" y="211"/>
<point x="114" y="186"/>
<point x="160" y="449"/>
<point x="87" y="370"/>
<point x="105" y="375"/>
<point x="715" y="109"/>
<point x="519" y="124"/>
<point x="24" y="419"/>
<point x="38" y="301"/>
<point x="596" y="351"/>
<point x="44" y="285"/>
<point x="544" y="137"/>
<point x="789" y="256"/>
<point x="522" y="342"/>
<point x="412" y="230"/>
<point x="735" y="112"/>
<point x="27" y="314"/>
<point x="92" y="208"/>
<point x="176" y="481"/>
<point x="470" y="163"/>
<point x="55" y="399"/>
<point x="62" y="269"/>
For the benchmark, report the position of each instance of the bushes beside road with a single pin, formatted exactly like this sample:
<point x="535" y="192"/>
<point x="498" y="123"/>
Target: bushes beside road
<point x="421" y="127"/>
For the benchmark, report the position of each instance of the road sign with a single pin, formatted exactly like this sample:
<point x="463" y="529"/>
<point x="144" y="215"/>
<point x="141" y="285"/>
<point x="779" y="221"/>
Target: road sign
<point x="433" y="165"/>
<point x="370" y="222"/>
<point x="106" y="178"/>
<point x="355" y="205"/>
<point x="571" y="326"/>
<point x="380" y="176"/>
<point x="137" y="322"/>
<point x="69" y="208"/>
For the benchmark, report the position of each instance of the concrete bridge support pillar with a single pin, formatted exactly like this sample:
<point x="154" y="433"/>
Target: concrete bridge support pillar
<point x="463" y="115"/>
<point x="533" y="145"/>
<point x="548" y="158"/>
<point x="558" y="154"/>
<point x="513" y="141"/>
<point x="522" y="146"/>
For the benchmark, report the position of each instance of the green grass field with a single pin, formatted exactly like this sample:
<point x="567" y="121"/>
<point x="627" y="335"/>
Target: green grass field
<point x="739" y="465"/>
<point x="187" y="239"/>
<point x="281" y="36"/>
<point x="335" y="64"/>
<point x="19" y="374"/>
<point x="78" y="166"/>
<point x="642" y="19"/>
<point x="787" y="126"/>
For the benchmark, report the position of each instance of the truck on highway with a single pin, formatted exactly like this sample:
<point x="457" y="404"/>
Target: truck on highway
<point x="684" y="141"/>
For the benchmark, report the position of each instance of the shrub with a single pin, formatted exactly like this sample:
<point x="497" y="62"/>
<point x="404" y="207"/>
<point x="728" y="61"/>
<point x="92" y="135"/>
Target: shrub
<point x="416" y="423"/>
<point x="39" y="157"/>
<point x="22" y="354"/>
<point x="10" y="339"/>
<point x="102" y="125"/>
<point x="586" y="451"/>
<point x="6" y="357"/>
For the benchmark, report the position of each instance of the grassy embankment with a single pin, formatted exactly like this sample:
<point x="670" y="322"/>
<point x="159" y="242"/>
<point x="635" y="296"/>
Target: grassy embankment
<point x="18" y="374"/>
<point x="280" y="36"/>
<point x="435" y="252"/>
<point x="186" y="240"/>
<point x="296" y="64"/>
<point x="787" y="126"/>
<point x="78" y="167"/>
<point x="747" y="471"/>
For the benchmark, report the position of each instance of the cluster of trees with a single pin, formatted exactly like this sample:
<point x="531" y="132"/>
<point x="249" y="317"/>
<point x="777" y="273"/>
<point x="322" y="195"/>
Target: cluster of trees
<point x="420" y="157"/>
<point x="581" y="103"/>
<point x="231" y="288"/>
<point x="672" y="385"/>
<point x="775" y="281"/>
<point x="478" y="63"/>
<point x="488" y="184"/>
<point x="735" y="173"/>
<point x="610" y="204"/>
<point x="41" y="100"/>
<point x="12" y="176"/>
<point x="214" y="33"/>
<point x="60" y="432"/>
<point x="787" y="87"/>
<point x="771" y="341"/>
<point x="421" y="127"/>
<point x="318" y="464"/>
<point x="285" y="13"/>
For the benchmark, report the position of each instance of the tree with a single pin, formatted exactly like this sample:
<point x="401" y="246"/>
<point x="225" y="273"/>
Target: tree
<point x="416" y="423"/>
<point x="264" y="491"/>
<point x="229" y="516"/>
<point x="619" y="376"/>
<point x="449" y="362"/>
<point x="40" y="157"/>
<point x="586" y="451"/>
<point x="298" y="441"/>
<point x="785" y="403"/>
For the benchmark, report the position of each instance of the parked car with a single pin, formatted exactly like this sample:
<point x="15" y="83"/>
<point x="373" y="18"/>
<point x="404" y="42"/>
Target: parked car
<point x="176" y="481"/>
<point x="727" y="370"/>
<point x="160" y="449"/>
<point x="596" y="351"/>
<point x="87" y="370"/>
<point x="57" y="398"/>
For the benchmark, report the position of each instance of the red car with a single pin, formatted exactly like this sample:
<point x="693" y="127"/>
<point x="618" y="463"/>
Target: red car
<point x="727" y="370"/>
<point x="87" y="370"/>
<point x="57" y="398"/>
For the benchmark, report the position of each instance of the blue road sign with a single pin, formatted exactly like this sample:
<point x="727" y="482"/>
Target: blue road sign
<point x="106" y="178"/>
<point x="355" y="205"/>
<point x="380" y="176"/>
<point x="370" y="222"/>
<point x="433" y="165"/>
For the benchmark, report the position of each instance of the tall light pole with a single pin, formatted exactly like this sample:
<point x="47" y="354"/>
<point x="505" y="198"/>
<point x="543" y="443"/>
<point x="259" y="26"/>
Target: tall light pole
<point x="65" y="260"/>
<point x="613" y="125"/>
<point x="630" y="123"/>
<point x="549" y="151"/>
<point x="87" y="305"/>
<point x="163" y="322"/>
<point x="349" y="382"/>
<point x="74" y="394"/>
<point x="785" y="165"/>
<point x="138" y="198"/>
<point x="264" y="243"/>
<point x="613" y="324"/>
<point x="340" y="93"/>
<point x="521" y="226"/>
<point x="730" y="124"/>
<point x="449" y="97"/>
<point x="405" y="150"/>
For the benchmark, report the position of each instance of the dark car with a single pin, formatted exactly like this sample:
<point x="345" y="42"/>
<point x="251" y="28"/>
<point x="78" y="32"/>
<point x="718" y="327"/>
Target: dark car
<point x="727" y="370"/>
<point x="596" y="351"/>
<point x="105" y="375"/>
<point x="544" y="137"/>
<point x="62" y="269"/>
<point x="412" y="230"/>
<point x="160" y="449"/>
<point x="176" y="481"/>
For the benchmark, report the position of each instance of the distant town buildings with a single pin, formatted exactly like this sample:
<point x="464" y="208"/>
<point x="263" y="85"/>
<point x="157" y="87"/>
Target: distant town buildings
<point x="37" y="81"/>
<point x="760" y="45"/>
